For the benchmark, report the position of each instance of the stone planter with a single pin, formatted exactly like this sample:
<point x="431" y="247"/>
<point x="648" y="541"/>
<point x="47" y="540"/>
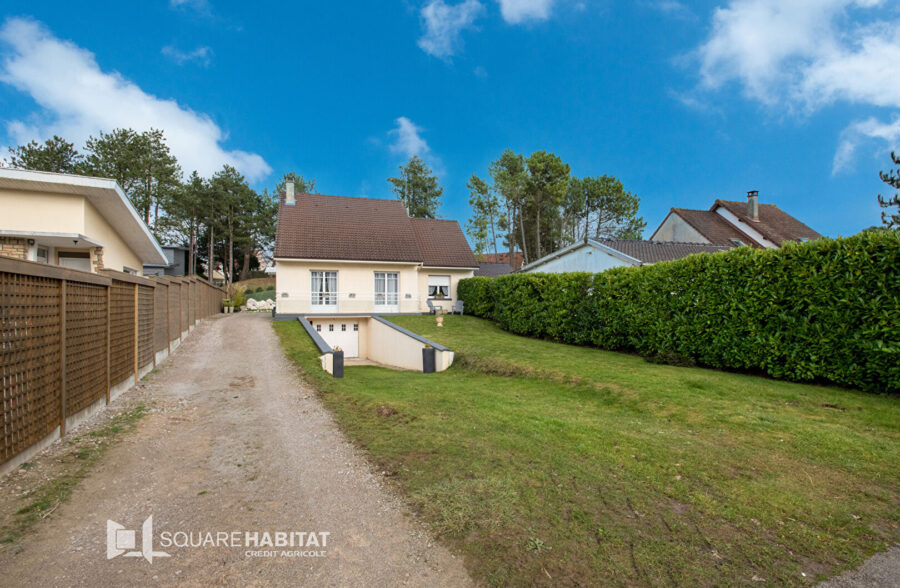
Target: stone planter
<point x="439" y="319"/>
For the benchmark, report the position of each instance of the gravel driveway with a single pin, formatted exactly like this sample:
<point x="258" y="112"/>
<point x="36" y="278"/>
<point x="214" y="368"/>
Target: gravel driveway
<point x="236" y="443"/>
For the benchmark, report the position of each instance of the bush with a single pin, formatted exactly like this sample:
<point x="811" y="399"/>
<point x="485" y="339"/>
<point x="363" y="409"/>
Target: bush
<point x="270" y="287"/>
<point x="828" y="310"/>
<point x="258" y="289"/>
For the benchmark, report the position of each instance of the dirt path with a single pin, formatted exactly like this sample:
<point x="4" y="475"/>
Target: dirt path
<point x="235" y="443"/>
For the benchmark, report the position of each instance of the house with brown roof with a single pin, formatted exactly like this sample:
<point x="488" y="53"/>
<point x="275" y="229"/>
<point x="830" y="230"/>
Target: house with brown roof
<point x="339" y="255"/>
<point x="734" y="224"/>
<point x="597" y="255"/>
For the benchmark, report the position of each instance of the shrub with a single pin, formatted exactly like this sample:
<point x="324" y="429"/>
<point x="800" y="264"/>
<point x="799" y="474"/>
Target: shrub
<point x="827" y="310"/>
<point x="258" y="289"/>
<point x="270" y="287"/>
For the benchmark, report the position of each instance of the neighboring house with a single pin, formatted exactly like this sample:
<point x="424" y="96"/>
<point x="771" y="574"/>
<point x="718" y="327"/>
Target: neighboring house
<point x="734" y="224"/>
<point x="77" y="222"/>
<point x="518" y="259"/>
<point x="340" y="255"/>
<point x="492" y="270"/>
<point x="597" y="255"/>
<point x="178" y="262"/>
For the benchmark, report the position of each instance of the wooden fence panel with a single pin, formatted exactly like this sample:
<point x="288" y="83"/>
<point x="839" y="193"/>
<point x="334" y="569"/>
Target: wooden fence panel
<point x="192" y="303"/>
<point x="174" y="310"/>
<point x="161" y="319"/>
<point x="185" y="293"/>
<point x="30" y="362"/>
<point x="145" y="325"/>
<point x="122" y="332"/>
<point x="66" y="336"/>
<point x="85" y="345"/>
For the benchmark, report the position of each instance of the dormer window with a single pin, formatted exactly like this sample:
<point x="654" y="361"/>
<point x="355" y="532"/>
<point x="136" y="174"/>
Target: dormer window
<point x="737" y="242"/>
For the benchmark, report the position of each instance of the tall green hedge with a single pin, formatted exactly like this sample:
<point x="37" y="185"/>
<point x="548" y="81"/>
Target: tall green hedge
<point x="827" y="310"/>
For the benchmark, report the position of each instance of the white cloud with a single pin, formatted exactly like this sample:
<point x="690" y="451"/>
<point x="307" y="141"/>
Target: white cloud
<point x="201" y="55"/>
<point x="672" y="8"/>
<point x="519" y="11"/>
<point x="78" y="99"/>
<point x="443" y="24"/>
<point x="806" y="54"/>
<point x="407" y="140"/>
<point x="864" y="131"/>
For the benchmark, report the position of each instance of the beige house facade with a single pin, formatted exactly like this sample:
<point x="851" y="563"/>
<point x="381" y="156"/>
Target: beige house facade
<point x="359" y="256"/>
<point x="76" y="222"/>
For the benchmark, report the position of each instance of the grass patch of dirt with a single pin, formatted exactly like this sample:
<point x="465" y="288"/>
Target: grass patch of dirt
<point x="36" y="495"/>
<point x="545" y="464"/>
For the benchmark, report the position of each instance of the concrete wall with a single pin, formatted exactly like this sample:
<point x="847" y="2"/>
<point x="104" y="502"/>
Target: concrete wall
<point x="389" y="346"/>
<point x="455" y="276"/>
<point x="356" y="285"/>
<point x="116" y="254"/>
<point x="582" y="259"/>
<point x="65" y="213"/>
<point x="42" y="213"/>
<point x="674" y="228"/>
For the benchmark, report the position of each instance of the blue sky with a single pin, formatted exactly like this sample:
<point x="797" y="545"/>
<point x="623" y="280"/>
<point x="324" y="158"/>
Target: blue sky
<point x="685" y="102"/>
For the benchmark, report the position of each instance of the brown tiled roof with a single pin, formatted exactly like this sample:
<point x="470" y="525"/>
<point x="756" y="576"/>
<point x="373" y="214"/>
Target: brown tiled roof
<point x="518" y="258"/>
<point x="442" y="243"/>
<point x="654" y="251"/>
<point x="774" y="224"/>
<point x="338" y="227"/>
<point x="366" y="229"/>
<point x="715" y="228"/>
<point x="490" y="269"/>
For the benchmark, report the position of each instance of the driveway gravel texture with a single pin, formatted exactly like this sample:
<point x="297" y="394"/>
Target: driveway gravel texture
<point x="233" y="441"/>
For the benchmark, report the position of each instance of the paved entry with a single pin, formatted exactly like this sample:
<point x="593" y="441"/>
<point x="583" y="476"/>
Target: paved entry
<point x="343" y="333"/>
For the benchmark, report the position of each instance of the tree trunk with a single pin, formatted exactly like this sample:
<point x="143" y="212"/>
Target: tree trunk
<point x="245" y="269"/>
<point x="511" y="236"/>
<point x="191" y="248"/>
<point x="522" y="230"/>
<point x="537" y="231"/>
<point x="211" y="257"/>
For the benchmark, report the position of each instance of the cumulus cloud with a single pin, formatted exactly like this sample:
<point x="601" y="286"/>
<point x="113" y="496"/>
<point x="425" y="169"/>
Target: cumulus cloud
<point x="78" y="99"/>
<point x="200" y="55"/>
<point x="443" y="24"/>
<point x="864" y="131"/>
<point x="519" y="11"/>
<point x="407" y="140"/>
<point x="806" y="54"/>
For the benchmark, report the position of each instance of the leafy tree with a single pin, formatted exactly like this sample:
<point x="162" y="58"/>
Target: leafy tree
<point x="301" y="184"/>
<point x="603" y="209"/>
<point x="141" y="163"/>
<point x="238" y="205"/>
<point x="53" y="155"/>
<point x="891" y="220"/>
<point x="418" y="189"/>
<point x="477" y="227"/>
<point x="510" y="180"/>
<point x="548" y="180"/>
<point x="185" y="215"/>
<point x="259" y="225"/>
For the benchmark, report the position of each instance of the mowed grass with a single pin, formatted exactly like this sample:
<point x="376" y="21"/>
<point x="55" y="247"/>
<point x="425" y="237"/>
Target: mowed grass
<point x="550" y="464"/>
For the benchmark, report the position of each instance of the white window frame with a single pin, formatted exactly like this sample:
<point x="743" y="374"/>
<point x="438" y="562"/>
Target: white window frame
<point x="388" y="298"/>
<point x="323" y="290"/>
<point x="438" y="283"/>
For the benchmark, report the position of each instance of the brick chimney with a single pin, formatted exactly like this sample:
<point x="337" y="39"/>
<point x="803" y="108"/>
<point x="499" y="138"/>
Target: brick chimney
<point x="753" y="205"/>
<point x="289" y="192"/>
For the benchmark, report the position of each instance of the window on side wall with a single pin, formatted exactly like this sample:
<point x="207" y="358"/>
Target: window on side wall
<point x="438" y="286"/>
<point x="43" y="254"/>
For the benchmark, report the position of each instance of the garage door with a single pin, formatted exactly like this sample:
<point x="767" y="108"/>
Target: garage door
<point x="340" y="333"/>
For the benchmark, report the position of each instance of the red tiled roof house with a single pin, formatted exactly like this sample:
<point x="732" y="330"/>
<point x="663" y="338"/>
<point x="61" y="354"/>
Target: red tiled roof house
<point x="352" y="256"/>
<point x="733" y="224"/>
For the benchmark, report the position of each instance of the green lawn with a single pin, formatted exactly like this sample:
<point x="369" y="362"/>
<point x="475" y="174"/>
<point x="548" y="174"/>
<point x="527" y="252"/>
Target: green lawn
<point x="549" y="464"/>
